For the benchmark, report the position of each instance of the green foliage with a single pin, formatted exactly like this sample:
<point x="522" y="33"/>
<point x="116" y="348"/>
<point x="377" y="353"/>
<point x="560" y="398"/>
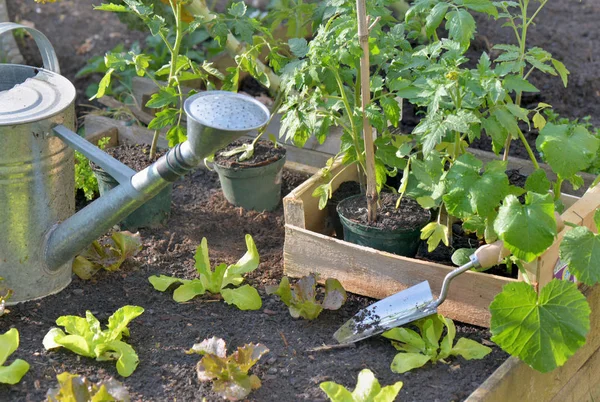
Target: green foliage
<point x="417" y="348"/>
<point x="85" y="337"/>
<point x="580" y="249"/>
<point x="84" y="176"/>
<point x="229" y="374"/>
<point x="11" y="374"/>
<point x="110" y="256"/>
<point x="224" y="279"/>
<point x="367" y="390"/>
<point x="76" y="388"/>
<point x="301" y="298"/>
<point x="545" y="330"/>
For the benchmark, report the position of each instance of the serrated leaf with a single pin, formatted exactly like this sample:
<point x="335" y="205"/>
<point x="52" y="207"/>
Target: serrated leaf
<point x="515" y="83"/>
<point x="237" y="9"/>
<point x="115" y="8"/>
<point x="527" y="230"/>
<point x="435" y="233"/>
<point x="461" y="26"/>
<point x="104" y="84"/>
<point x="542" y="331"/>
<point x="298" y="47"/>
<point x="562" y="71"/>
<point x="163" y="119"/>
<point x="323" y="193"/>
<point x="245" y="297"/>
<point x="567" y="149"/>
<point x="580" y="249"/>
<point x="166" y="96"/>
<point x="435" y="17"/>
<point x="506" y="120"/>
<point x="538" y="182"/>
<point x="176" y="135"/>
<point x="482" y="6"/>
<point x="391" y="109"/>
<point x="539" y="121"/>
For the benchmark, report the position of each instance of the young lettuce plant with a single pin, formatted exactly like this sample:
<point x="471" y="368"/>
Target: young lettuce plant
<point x="224" y="280"/>
<point x="75" y="388"/>
<point x="301" y="298"/>
<point x="418" y="348"/>
<point x="367" y="390"/>
<point x="85" y="337"/>
<point x="229" y="374"/>
<point x="110" y="256"/>
<point x="11" y="374"/>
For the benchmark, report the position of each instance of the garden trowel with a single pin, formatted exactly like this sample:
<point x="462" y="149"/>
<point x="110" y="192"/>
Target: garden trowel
<point x="413" y="303"/>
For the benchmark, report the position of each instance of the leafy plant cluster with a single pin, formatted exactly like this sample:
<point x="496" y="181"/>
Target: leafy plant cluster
<point x="85" y="179"/>
<point x="85" y="337"/>
<point x="229" y="374"/>
<point x="301" y="298"/>
<point x="11" y="374"/>
<point x="109" y="256"/>
<point x="418" y="348"/>
<point x="224" y="280"/>
<point x="367" y="390"/>
<point x="76" y="388"/>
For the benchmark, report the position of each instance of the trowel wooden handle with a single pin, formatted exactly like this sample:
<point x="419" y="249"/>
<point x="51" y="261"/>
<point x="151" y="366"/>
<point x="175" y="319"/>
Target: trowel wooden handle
<point x="491" y="254"/>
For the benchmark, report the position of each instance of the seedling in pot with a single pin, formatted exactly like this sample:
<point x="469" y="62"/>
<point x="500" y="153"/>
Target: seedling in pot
<point x="229" y="374"/>
<point x="367" y="390"/>
<point x="418" y="348"/>
<point x="109" y="256"/>
<point x="301" y="298"/>
<point x="76" y="388"/>
<point x="224" y="280"/>
<point x="11" y="374"/>
<point x="85" y="337"/>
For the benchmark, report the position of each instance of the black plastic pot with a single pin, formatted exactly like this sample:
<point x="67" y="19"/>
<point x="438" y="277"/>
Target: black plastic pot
<point x="403" y="241"/>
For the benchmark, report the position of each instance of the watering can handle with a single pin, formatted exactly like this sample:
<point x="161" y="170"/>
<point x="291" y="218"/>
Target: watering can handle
<point x="45" y="47"/>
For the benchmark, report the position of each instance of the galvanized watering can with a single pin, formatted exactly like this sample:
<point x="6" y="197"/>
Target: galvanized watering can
<point x="39" y="231"/>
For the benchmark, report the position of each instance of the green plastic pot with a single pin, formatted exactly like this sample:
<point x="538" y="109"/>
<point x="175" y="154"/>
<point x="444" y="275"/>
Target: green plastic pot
<point x="403" y="242"/>
<point x="257" y="188"/>
<point x="154" y="213"/>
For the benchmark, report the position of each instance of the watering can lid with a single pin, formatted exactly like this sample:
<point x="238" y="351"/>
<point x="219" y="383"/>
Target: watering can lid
<point x="37" y="98"/>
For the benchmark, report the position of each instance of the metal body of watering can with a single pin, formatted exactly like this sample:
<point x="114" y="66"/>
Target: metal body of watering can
<point x="39" y="230"/>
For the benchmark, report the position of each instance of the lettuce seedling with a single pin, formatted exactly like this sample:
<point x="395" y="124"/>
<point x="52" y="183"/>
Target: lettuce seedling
<point x="301" y="297"/>
<point x="224" y="280"/>
<point x="87" y="339"/>
<point x="229" y="374"/>
<point x="11" y="374"/>
<point x="119" y="247"/>
<point x="367" y="390"/>
<point x="74" y="388"/>
<point x="417" y="349"/>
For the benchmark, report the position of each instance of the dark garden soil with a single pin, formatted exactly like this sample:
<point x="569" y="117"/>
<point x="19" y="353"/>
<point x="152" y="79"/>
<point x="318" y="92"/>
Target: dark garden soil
<point x="167" y="329"/>
<point x="409" y="215"/>
<point x="264" y="153"/>
<point x="135" y="156"/>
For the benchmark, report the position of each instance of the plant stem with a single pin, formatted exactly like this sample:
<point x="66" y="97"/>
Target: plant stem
<point x="363" y="37"/>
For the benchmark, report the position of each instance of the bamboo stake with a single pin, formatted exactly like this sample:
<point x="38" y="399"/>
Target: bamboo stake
<point x="233" y="46"/>
<point x="363" y="37"/>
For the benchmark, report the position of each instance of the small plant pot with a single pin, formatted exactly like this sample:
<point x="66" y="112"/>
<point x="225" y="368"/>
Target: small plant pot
<point x="154" y="213"/>
<point x="401" y="241"/>
<point x="257" y="188"/>
<point x="345" y="190"/>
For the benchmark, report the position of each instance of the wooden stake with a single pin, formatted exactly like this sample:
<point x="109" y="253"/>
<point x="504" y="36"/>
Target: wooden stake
<point x="363" y="37"/>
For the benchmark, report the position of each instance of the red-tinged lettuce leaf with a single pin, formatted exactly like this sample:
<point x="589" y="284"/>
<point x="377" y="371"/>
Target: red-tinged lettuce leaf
<point x="72" y="387"/>
<point x="228" y="373"/>
<point x="335" y="295"/>
<point x="111" y="256"/>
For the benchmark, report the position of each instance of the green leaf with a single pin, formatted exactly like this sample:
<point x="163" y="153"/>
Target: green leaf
<point x="542" y="331"/>
<point x="336" y="392"/>
<point x="367" y="386"/>
<point x="176" y="135"/>
<point x="461" y="27"/>
<point x="103" y="85"/>
<point x="166" y="96"/>
<point x="188" y="291"/>
<point x="283" y="290"/>
<point x="580" y="249"/>
<point x="562" y="71"/>
<point x="115" y="8"/>
<point x="162" y="282"/>
<point x="367" y="390"/>
<point x="298" y="47"/>
<point x="462" y="256"/>
<point x="237" y="9"/>
<point x="49" y="340"/>
<point x="127" y="359"/>
<point x="482" y="6"/>
<point x="245" y="297"/>
<point x="248" y="263"/>
<point x="527" y="230"/>
<point x="117" y="323"/>
<point x="391" y="109"/>
<point x="507" y="121"/>
<point x="434" y="232"/>
<point x="567" y="149"/>
<point x="469" y="349"/>
<point x="407" y="340"/>
<point x="11" y="374"/>
<point x="404" y="362"/>
<point x="163" y="119"/>
<point x="75" y="388"/>
<point x="435" y="17"/>
<point x="539" y="121"/>
<point x="323" y="193"/>
<point x="538" y="182"/>
<point x="515" y="83"/>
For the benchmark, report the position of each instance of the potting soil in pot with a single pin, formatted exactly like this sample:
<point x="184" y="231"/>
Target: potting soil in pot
<point x="264" y="153"/>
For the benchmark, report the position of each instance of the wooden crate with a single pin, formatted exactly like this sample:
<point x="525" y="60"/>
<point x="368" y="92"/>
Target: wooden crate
<point x="369" y="272"/>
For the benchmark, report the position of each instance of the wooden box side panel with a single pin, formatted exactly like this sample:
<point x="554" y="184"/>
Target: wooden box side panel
<point x="377" y="274"/>
<point x="516" y="381"/>
<point x="301" y="208"/>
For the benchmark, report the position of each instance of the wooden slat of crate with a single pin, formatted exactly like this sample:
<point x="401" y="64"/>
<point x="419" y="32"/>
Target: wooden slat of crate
<point x="515" y="381"/>
<point x="378" y="274"/>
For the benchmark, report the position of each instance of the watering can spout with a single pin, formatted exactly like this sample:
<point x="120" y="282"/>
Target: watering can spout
<point x="214" y="119"/>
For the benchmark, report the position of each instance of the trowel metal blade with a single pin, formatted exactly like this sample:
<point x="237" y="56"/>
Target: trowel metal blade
<point x="401" y="308"/>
